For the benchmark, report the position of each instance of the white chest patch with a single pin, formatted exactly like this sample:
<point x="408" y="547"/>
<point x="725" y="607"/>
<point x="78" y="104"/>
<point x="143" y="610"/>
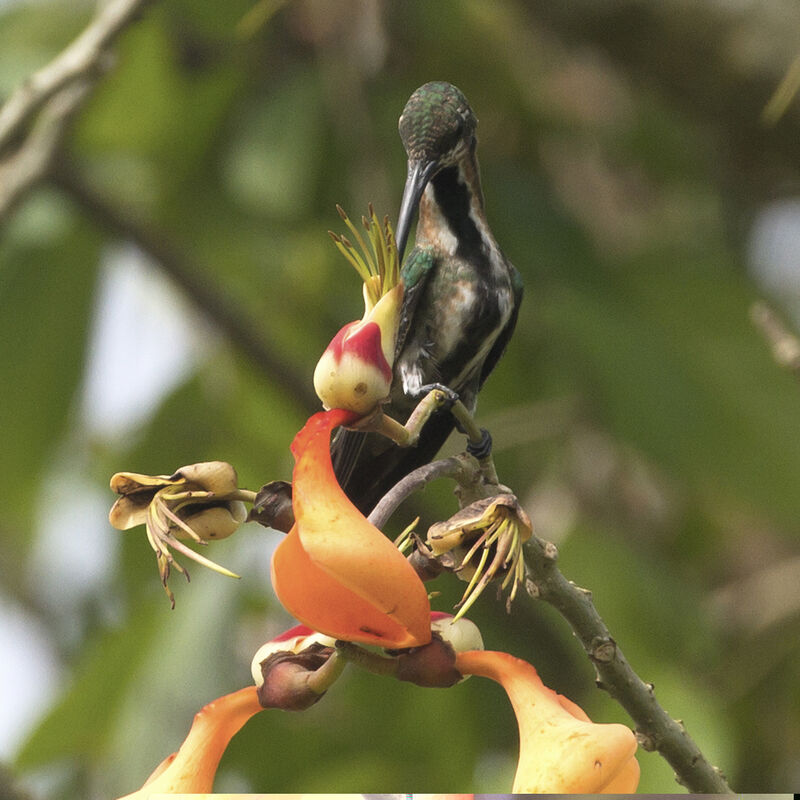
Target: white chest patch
<point x="411" y="376"/>
<point x="437" y="228"/>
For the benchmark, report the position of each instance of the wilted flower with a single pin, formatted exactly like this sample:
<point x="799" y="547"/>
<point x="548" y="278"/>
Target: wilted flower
<point x="481" y="542"/>
<point x="199" y="502"/>
<point x="355" y="371"/>
<point x="272" y="506"/>
<point x="335" y="571"/>
<point x="560" y="749"/>
<point x="293" y="670"/>
<point x="193" y="768"/>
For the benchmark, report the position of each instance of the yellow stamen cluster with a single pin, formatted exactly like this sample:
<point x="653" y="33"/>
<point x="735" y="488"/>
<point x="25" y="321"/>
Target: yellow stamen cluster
<point x="496" y="527"/>
<point x="377" y="264"/>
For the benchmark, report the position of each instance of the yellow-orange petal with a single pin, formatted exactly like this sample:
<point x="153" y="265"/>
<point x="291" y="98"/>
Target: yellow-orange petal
<point x="335" y="571"/>
<point x="561" y="750"/>
<point x="193" y="767"/>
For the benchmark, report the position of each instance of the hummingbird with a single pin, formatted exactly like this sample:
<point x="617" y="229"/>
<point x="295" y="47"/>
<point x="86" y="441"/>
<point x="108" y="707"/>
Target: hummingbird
<point x="461" y="296"/>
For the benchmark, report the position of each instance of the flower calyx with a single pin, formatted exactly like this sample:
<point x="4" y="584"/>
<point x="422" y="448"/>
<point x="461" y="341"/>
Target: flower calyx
<point x="200" y="501"/>
<point x="293" y="671"/>
<point x="434" y="665"/>
<point x="272" y="506"/>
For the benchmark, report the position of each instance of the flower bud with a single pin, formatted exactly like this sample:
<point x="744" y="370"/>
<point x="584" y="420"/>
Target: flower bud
<point x="461" y="634"/>
<point x="218" y="477"/>
<point x="355" y="371"/>
<point x="217" y="522"/>
<point x="285" y="667"/>
<point x="295" y="640"/>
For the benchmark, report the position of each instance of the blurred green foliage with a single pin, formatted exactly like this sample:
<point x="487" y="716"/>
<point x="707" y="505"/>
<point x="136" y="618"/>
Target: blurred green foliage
<point x="637" y="412"/>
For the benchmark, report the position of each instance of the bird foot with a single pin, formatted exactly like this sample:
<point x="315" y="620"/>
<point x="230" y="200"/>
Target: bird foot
<point x="483" y="448"/>
<point x="450" y="397"/>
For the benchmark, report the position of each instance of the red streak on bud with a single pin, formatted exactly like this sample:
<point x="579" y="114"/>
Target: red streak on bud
<point x="364" y="344"/>
<point x="292" y="633"/>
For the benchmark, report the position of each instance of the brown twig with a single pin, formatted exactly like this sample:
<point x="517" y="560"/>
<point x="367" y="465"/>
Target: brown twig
<point x="655" y="728"/>
<point x="82" y="59"/>
<point x="457" y="467"/>
<point x="31" y="163"/>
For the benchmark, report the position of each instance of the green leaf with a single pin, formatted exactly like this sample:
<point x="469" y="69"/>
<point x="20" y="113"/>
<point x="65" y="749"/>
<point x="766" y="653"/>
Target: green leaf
<point x="46" y="289"/>
<point x="82" y="721"/>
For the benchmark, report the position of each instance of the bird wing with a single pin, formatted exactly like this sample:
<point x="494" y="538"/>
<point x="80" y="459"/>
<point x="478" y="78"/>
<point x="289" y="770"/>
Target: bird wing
<point x="414" y="275"/>
<point x="503" y="337"/>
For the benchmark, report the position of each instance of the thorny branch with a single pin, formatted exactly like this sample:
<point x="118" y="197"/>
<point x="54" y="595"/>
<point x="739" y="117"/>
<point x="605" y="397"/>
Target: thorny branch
<point x="655" y="728"/>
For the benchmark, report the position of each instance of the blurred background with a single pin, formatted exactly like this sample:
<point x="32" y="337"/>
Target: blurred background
<point x="165" y="297"/>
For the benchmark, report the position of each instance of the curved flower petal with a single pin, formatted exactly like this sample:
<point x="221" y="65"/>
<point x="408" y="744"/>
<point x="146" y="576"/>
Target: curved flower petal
<point x="193" y="767"/>
<point x="560" y="749"/>
<point x="335" y="571"/>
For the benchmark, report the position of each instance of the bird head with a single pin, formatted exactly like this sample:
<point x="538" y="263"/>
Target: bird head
<point x="437" y="128"/>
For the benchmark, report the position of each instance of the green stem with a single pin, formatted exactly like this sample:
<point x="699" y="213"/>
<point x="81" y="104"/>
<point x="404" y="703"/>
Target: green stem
<point x="245" y="495"/>
<point x="372" y="662"/>
<point x="322" y="679"/>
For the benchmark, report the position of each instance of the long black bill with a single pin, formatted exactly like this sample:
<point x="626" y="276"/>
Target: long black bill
<point x="419" y="173"/>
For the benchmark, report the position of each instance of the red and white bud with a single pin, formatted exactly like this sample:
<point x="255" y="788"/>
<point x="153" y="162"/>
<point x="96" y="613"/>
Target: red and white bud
<point x="355" y="371"/>
<point x="295" y="640"/>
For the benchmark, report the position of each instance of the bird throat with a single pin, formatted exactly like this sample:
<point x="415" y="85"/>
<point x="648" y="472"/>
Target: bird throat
<point x="451" y="217"/>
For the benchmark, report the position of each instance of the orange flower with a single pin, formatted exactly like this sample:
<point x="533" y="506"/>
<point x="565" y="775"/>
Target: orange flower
<point x="560" y="749"/>
<point x="193" y="767"/>
<point x="335" y="571"/>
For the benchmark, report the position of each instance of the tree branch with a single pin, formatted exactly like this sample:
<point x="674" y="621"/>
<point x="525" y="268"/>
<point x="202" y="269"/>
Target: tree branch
<point x="84" y="58"/>
<point x="457" y="467"/>
<point x="32" y="162"/>
<point x="656" y="729"/>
